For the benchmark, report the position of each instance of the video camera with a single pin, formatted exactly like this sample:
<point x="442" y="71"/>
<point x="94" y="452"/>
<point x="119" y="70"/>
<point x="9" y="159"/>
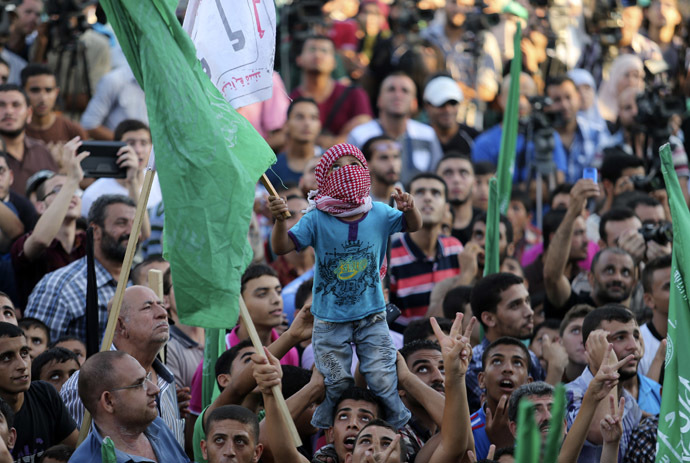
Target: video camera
<point x="661" y="233"/>
<point x="409" y="16"/>
<point x="7" y="8"/>
<point x="67" y="21"/>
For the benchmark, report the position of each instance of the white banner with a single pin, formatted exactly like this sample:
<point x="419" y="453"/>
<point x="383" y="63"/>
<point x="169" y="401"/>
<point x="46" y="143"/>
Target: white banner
<point x="235" y="42"/>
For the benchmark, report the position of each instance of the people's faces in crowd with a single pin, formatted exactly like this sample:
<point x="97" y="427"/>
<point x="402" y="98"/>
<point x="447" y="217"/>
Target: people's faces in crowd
<point x="230" y="441"/>
<point x="140" y="142"/>
<point x="114" y="235"/>
<point x="7" y="311"/>
<point x="444" y="116"/>
<point x="133" y="399"/>
<point x="518" y="216"/>
<point x="145" y="317"/>
<point x="308" y="180"/>
<point x="303" y="123"/>
<point x="430" y="199"/>
<point x="50" y="188"/>
<point x="4" y="73"/>
<point x="6" y="179"/>
<point x="612" y="278"/>
<point x="264" y="302"/>
<point x="427" y="365"/>
<point x="506" y="369"/>
<point x="296" y="205"/>
<point x="459" y="176"/>
<point x="28" y="16"/>
<point x="349" y="418"/>
<point x="537" y="344"/>
<point x="663" y="13"/>
<point x="658" y="298"/>
<point x="37" y="339"/>
<point x="542" y="414"/>
<point x="318" y="56"/>
<point x="627" y="107"/>
<point x="398" y="96"/>
<point x="14" y="113"/>
<point x="385" y="164"/>
<point x="528" y="89"/>
<point x="513" y="316"/>
<point x="15" y="368"/>
<point x="587" y="94"/>
<point x="572" y="342"/>
<point x="43" y="93"/>
<point x="511" y="265"/>
<point x="479" y="237"/>
<point x="57" y="373"/>
<point x="566" y="100"/>
<point x="7" y="434"/>
<point x="75" y="346"/>
<point x="615" y="228"/>
<point x="625" y="338"/>
<point x="650" y="215"/>
<point x="480" y="198"/>
<point x="372" y="443"/>
<point x="457" y="11"/>
<point x="241" y="360"/>
<point x="579" y="243"/>
<point x="632" y="21"/>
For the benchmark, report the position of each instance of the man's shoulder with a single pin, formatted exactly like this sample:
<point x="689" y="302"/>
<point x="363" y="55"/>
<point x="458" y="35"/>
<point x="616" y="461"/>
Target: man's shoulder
<point x="420" y="130"/>
<point x="450" y="244"/>
<point x="363" y="132"/>
<point x="66" y="274"/>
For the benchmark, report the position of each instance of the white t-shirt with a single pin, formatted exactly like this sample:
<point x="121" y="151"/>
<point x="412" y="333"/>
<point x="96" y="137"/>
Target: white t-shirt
<point x="651" y="345"/>
<point x="109" y="186"/>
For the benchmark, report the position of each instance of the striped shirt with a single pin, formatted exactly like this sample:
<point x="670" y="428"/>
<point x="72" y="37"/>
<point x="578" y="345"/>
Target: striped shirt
<point x="167" y="399"/>
<point x="413" y="274"/>
<point x="59" y="299"/>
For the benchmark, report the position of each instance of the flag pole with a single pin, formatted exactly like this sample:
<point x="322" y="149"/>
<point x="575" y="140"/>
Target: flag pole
<point x="122" y="282"/>
<point x="272" y="191"/>
<point x="276" y="390"/>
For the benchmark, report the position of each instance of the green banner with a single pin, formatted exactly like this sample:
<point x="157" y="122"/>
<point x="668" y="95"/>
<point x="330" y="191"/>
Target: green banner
<point x="492" y="261"/>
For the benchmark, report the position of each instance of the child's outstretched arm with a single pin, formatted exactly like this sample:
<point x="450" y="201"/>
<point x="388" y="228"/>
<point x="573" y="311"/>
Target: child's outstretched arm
<point x="405" y="203"/>
<point x="280" y="241"/>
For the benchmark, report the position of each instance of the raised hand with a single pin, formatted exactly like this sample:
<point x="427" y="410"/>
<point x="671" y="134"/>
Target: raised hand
<point x="554" y="353"/>
<point x="267" y="371"/>
<point x="278" y="207"/>
<point x="497" y="425"/>
<point x="455" y="347"/>
<point x="403" y="201"/>
<point x="595" y="349"/>
<point x="303" y="324"/>
<point x="582" y="190"/>
<point x="607" y="376"/>
<point x="612" y="424"/>
<point x="386" y="455"/>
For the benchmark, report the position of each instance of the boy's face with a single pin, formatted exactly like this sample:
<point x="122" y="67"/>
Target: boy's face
<point x="506" y="369"/>
<point x="57" y="373"/>
<point x="75" y="346"/>
<point x="572" y="342"/>
<point x="7" y="313"/>
<point x="343" y="161"/>
<point x="15" y="365"/>
<point x="37" y="340"/>
<point x="265" y="305"/>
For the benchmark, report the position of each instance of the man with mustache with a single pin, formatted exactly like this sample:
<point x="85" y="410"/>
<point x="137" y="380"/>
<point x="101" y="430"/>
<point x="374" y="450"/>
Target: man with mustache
<point x="26" y="155"/>
<point x="58" y="298"/>
<point x="121" y="396"/>
<point x="142" y="330"/>
<point x="541" y="395"/>
<point x="384" y="156"/>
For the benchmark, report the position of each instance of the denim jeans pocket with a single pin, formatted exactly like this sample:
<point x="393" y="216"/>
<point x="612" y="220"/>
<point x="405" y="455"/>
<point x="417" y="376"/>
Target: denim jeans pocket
<point x="321" y="326"/>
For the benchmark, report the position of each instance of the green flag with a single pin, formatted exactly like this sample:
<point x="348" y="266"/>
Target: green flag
<point x="673" y="438"/>
<point x="528" y="439"/>
<point x="506" y="157"/>
<point x="208" y="158"/>
<point x="108" y="451"/>
<point x="213" y="348"/>
<point x="491" y="240"/>
<point x="555" y="437"/>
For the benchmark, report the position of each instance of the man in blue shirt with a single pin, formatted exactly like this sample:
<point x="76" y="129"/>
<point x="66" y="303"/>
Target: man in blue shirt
<point x="487" y="145"/>
<point x="121" y="398"/>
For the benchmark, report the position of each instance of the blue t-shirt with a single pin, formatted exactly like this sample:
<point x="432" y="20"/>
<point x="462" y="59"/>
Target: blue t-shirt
<point x="347" y="285"/>
<point x="649" y="395"/>
<point x="487" y="147"/>
<point x="481" y="439"/>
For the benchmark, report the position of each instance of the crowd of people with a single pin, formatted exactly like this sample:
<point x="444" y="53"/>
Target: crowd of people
<point x="389" y="342"/>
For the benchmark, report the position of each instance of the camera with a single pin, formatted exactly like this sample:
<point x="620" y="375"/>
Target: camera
<point x="606" y="22"/>
<point x="648" y="183"/>
<point x="661" y="233"/>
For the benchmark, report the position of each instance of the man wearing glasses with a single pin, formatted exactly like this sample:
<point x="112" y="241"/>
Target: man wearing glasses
<point x="54" y="241"/>
<point x="122" y="399"/>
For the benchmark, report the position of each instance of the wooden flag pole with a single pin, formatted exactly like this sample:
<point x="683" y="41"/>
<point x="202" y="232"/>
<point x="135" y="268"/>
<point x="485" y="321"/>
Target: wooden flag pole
<point x="277" y="391"/>
<point x="271" y="191"/>
<point x="122" y="283"/>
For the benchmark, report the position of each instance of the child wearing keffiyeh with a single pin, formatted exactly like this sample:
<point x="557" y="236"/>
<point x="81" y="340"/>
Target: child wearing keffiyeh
<point x="349" y="234"/>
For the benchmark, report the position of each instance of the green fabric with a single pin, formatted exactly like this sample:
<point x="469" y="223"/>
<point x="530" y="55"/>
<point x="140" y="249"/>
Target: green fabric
<point x="528" y="439"/>
<point x="555" y="437"/>
<point x="516" y="9"/>
<point x="214" y="347"/>
<point x="198" y="435"/>
<point x="208" y="158"/>
<point x="108" y="451"/>
<point x="506" y="157"/>
<point x="673" y="439"/>
<point x="493" y="233"/>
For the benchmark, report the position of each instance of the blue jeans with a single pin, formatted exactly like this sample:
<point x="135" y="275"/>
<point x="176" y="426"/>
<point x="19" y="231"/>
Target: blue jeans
<point x="377" y="356"/>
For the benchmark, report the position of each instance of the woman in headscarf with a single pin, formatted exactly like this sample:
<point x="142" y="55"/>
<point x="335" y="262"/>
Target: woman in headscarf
<point x="626" y="71"/>
<point x="587" y="88"/>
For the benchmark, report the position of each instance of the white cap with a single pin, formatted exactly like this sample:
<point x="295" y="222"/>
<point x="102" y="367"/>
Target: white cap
<point x="442" y="89"/>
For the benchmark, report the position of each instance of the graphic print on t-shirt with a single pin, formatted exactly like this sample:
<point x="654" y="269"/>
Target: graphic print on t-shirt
<point x="348" y="273"/>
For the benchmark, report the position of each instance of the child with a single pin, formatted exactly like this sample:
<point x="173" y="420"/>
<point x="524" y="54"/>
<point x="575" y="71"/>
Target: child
<point x="37" y="335"/>
<point x="349" y="234"/>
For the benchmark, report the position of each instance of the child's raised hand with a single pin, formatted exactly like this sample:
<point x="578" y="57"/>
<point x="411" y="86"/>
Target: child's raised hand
<point x="278" y="207"/>
<point x="404" y="201"/>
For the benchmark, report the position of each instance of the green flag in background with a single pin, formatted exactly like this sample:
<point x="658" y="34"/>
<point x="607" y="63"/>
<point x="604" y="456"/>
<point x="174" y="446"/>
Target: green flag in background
<point x="506" y="157"/>
<point x="673" y="438"/>
<point x="554" y="439"/>
<point x="528" y="439"/>
<point x="491" y="239"/>
<point x="208" y="158"/>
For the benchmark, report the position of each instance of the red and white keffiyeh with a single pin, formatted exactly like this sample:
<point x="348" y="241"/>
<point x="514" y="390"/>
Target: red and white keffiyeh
<point x="343" y="192"/>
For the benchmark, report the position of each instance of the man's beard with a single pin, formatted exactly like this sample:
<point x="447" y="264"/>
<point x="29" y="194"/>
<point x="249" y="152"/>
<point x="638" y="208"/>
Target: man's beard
<point x="382" y="179"/>
<point x="626" y="375"/>
<point x="460" y="201"/>
<point x="112" y="248"/>
<point x="604" y="297"/>
<point x="13" y="133"/>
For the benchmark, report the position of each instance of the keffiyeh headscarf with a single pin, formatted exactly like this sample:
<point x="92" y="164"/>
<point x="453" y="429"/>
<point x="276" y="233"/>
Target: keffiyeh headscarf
<point x="345" y="191"/>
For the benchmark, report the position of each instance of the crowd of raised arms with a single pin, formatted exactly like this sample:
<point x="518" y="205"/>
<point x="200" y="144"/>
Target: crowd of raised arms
<point x="389" y="341"/>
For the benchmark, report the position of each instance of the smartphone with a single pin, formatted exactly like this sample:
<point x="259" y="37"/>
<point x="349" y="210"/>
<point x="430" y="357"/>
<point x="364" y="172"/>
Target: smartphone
<point x="590" y="173"/>
<point x="392" y="312"/>
<point x="102" y="162"/>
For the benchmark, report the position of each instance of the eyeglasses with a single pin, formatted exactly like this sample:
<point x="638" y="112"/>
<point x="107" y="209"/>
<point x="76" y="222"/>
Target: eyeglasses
<point x="145" y="384"/>
<point x="78" y="193"/>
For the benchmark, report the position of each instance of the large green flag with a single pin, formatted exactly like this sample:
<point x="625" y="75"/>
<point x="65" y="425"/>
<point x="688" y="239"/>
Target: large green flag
<point x="506" y="156"/>
<point x="492" y="261"/>
<point x="528" y="439"/>
<point x="208" y="157"/>
<point x="554" y="439"/>
<point x="673" y="438"/>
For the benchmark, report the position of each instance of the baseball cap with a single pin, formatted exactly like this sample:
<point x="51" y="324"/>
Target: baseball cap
<point x="442" y="89"/>
<point x="37" y="179"/>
